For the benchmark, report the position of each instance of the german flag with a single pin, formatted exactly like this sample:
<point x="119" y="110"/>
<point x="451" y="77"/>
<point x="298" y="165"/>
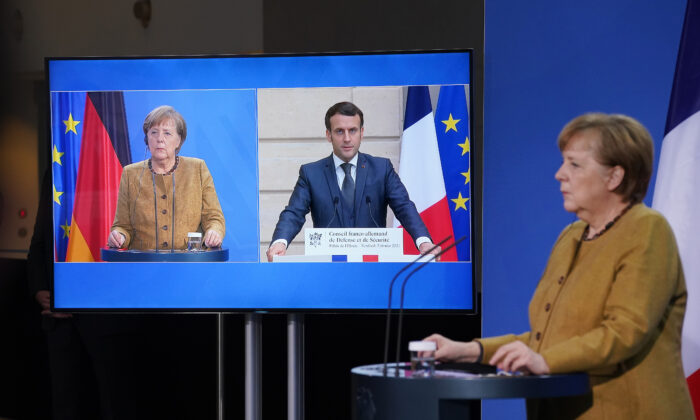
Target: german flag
<point x="104" y="151"/>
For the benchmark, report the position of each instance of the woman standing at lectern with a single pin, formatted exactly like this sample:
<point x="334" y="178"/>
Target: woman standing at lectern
<point x="612" y="298"/>
<point x="164" y="198"/>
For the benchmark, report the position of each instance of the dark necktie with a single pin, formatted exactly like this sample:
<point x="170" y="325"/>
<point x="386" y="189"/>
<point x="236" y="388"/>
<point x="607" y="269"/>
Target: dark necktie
<point x="348" y="191"/>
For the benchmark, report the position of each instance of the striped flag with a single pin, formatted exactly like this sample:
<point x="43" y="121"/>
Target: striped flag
<point x="677" y="191"/>
<point x="66" y="130"/>
<point x="421" y="170"/>
<point x="104" y="150"/>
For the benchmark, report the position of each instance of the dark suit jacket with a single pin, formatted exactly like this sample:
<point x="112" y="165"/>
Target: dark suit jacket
<point x="317" y="191"/>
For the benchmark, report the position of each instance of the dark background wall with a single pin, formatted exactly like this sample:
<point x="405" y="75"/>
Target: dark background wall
<point x="177" y="351"/>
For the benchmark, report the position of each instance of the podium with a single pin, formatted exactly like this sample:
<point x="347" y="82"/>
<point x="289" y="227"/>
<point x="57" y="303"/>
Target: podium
<point x="449" y="394"/>
<point x="178" y="255"/>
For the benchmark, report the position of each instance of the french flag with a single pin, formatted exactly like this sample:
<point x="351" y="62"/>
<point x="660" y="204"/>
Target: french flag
<point x="677" y="191"/>
<point x="421" y="170"/>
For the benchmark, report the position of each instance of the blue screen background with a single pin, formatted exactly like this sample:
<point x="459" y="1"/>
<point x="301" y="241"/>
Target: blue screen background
<point x="222" y="130"/>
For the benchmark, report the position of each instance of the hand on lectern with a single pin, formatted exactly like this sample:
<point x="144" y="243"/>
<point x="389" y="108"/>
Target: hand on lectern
<point x="278" y="248"/>
<point x="518" y="357"/>
<point x="212" y="238"/>
<point x="454" y="351"/>
<point x="426" y="246"/>
<point x="115" y="239"/>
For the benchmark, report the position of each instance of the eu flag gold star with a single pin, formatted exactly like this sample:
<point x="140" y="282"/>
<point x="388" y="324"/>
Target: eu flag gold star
<point x="70" y="124"/>
<point x="450" y="124"/>
<point x="57" y="155"/>
<point x="57" y="195"/>
<point x="465" y="146"/>
<point x="66" y="230"/>
<point x="460" y="202"/>
<point x="467" y="177"/>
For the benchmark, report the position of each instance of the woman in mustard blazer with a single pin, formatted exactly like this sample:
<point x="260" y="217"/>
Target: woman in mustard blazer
<point x="612" y="298"/>
<point x="164" y="198"/>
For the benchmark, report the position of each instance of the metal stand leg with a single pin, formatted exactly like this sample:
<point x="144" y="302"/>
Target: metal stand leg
<point x="253" y="377"/>
<point x="220" y="366"/>
<point x="295" y="366"/>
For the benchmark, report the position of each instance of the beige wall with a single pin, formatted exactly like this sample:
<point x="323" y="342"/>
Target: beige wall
<point x="18" y="152"/>
<point x="292" y="132"/>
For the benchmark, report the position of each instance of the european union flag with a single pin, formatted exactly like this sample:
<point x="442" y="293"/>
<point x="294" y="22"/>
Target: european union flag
<point x="67" y="110"/>
<point x="452" y="129"/>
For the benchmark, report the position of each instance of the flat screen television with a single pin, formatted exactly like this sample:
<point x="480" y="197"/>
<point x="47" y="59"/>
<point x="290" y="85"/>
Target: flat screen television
<point x="253" y="119"/>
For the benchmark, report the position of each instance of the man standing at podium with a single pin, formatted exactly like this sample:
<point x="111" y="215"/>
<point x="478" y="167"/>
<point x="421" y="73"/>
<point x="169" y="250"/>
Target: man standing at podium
<point x="347" y="188"/>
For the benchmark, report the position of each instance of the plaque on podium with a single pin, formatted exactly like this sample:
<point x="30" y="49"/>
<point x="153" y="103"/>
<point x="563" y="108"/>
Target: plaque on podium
<point x="351" y="245"/>
<point x="353" y="241"/>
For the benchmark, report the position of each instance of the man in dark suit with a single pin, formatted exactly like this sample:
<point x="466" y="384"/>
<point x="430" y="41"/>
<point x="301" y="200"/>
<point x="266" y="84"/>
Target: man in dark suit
<point x="347" y="188"/>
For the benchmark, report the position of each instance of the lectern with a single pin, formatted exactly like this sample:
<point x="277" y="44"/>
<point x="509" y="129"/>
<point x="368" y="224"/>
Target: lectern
<point x="450" y="394"/>
<point x="163" y="255"/>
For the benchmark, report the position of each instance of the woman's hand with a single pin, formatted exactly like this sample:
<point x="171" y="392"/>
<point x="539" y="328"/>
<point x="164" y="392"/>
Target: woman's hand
<point x="115" y="239"/>
<point x="518" y="357"/>
<point x="454" y="351"/>
<point x="212" y="238"/>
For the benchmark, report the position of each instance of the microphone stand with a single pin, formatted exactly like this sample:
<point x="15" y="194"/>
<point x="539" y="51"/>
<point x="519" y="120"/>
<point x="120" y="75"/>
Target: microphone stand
<point x="155" y="208"/>
<point x="172" y="217"/>
<point x="335" y="211"/>
<point x="403" y="288"/>
<point x="388" y="309"/>
<point x="369" y="207"/>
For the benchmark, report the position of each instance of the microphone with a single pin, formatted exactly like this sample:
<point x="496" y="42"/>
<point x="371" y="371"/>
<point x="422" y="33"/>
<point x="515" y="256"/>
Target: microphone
<point x="369" y="207"/>
<point x="138" y="193"/>
<point x="388" y="309"/>
<point x="335" y="211"/>
<point x="172" y="216"/>
<point x="403" y="288"/>
<point x="155" y="208"/>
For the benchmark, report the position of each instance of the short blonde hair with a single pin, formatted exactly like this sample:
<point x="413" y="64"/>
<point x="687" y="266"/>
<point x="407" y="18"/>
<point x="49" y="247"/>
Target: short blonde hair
<point x="622" y="141"/>
<point x="162" y="113"/>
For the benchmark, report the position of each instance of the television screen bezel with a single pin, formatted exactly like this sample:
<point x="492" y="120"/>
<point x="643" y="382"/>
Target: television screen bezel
<point x="476" y="160"/>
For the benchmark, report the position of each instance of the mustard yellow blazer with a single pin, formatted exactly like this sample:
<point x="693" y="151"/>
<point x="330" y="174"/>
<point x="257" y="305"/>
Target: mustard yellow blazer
<point x="612" y="307"/>
<point x="196" y="205"/>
